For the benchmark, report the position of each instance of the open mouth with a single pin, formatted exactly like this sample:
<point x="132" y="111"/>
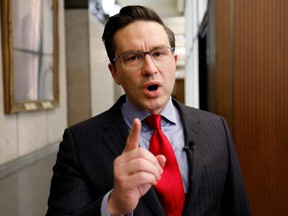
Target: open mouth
<point x="152" y="87"/>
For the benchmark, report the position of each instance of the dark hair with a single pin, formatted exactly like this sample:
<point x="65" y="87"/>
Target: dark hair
<point x="126" y="16"/>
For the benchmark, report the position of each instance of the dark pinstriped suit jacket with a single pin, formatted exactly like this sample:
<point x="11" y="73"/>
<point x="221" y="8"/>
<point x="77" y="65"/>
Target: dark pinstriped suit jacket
<point x="83" y="173"/>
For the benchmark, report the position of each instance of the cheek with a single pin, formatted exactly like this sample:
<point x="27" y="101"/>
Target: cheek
<point x="129" y="80"/>
<point x="170" y="76"/>
<point x="170" y="82"/>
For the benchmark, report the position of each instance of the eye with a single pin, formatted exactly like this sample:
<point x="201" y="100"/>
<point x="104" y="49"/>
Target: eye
<point x="159" y="53"/>
<point x="132" y="57"/>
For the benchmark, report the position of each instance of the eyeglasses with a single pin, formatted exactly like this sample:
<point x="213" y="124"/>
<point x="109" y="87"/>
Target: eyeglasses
<point x="135" y="59"/>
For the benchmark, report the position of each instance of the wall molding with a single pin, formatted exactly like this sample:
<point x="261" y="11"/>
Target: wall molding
<point x="16" y="165"/>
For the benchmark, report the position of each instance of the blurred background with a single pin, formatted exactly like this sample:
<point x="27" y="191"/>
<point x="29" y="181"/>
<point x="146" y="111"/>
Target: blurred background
<point x="233" y="60"/>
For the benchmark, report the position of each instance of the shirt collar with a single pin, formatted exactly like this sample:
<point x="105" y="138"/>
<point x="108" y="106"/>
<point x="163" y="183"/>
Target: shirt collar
<point x="130" y="112"/>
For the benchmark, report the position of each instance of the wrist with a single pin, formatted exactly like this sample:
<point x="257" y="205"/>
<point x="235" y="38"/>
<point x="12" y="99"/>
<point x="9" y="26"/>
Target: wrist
<point x="113" y="207"/>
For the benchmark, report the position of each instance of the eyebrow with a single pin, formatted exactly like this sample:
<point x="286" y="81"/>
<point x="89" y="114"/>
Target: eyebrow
<point x="153" y="48"/>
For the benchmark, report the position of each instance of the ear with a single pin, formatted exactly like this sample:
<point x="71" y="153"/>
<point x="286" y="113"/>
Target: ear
<point x="113" y="72"/>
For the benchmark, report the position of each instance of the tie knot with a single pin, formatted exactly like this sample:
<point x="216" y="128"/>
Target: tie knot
<point x="154" y="121"/>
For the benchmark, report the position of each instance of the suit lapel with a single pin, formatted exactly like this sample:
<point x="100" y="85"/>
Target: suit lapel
<point x="195" y="161"/>
<point x="195" y="153"/>
<point x="114" y="130"/>
<point x="114" y="135"/>
<point x="153" y="201"/>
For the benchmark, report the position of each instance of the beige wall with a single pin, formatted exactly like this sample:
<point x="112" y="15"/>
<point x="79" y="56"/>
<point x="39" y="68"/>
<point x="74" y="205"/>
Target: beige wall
<point x="103" y="89"/>
<point x="24" y="133"/>
<point x="88" y="76"/>
<point x="25" y="192"/>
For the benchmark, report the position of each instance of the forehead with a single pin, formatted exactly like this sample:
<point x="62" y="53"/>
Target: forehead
<point x="141" y="35"/>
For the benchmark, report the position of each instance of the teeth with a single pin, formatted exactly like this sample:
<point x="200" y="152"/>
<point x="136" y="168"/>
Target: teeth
<point x="152" y="87"/>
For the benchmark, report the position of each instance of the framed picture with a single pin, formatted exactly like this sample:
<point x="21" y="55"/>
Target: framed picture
<point x="30" y="54"/>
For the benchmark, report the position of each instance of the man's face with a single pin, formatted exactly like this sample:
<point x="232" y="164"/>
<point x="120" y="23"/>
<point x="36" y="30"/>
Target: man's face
<point x="149" y="87"/>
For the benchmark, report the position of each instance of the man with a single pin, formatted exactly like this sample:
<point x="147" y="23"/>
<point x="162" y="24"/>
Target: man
<point x="107" y="166"/>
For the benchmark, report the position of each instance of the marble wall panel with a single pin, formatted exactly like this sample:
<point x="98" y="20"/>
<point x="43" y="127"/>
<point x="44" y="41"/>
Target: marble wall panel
<point x="8" y="138"/>
<point x="25" y="192"/>
<point x="32" y="132"/>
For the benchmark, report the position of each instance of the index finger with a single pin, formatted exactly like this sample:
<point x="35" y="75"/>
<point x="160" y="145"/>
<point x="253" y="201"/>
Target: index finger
<point x="133" y="138"/>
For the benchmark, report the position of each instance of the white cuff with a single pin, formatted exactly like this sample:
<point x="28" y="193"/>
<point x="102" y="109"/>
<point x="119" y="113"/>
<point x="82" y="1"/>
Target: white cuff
<point x="104" y="206"/>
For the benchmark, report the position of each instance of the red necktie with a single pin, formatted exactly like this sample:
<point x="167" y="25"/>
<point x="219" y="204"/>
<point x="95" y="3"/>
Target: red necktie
<point x="170" y="187"/>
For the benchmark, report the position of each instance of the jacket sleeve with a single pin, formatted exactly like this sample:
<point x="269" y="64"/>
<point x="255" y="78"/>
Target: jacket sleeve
<point x="235" y="201"/>
<point x="69" y="192"/>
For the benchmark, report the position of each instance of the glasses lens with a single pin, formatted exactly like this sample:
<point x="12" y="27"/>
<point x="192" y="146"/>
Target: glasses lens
<point x="162" y="55"/>
<point x="135" y="60"/>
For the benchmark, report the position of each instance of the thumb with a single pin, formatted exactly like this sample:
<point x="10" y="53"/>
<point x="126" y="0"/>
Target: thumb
<point x="133" y="138"/>
<point x="162" y="160"/>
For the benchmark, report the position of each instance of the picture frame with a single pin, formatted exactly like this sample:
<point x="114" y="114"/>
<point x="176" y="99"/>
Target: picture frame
<point x="30" y="50"/>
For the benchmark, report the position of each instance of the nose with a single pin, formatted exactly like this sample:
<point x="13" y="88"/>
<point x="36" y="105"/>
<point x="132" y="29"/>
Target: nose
<point x="149" y="66"/>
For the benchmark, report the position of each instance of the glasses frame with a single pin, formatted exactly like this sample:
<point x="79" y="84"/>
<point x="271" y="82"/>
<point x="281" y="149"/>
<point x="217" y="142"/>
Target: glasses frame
<point x="119" y="56"/>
